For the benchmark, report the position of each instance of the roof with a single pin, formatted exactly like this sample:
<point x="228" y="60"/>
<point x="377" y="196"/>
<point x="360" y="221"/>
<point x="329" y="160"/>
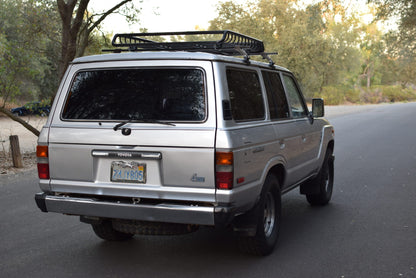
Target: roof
<point x="168" y="55"/>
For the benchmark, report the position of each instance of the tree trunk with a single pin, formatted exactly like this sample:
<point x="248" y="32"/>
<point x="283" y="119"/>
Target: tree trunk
<point x="70" y="29"/>
<point x="72" y="26"/>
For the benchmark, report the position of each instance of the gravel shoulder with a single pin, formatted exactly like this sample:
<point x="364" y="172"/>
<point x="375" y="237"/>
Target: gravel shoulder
<point x="27" y="143"/>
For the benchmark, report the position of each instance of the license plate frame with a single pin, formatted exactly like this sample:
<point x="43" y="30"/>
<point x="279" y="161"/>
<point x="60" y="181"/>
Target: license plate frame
<point x="128" y="172"/>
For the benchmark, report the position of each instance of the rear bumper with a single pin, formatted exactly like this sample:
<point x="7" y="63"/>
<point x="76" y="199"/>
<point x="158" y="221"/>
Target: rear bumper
<point x="162" y="212"/>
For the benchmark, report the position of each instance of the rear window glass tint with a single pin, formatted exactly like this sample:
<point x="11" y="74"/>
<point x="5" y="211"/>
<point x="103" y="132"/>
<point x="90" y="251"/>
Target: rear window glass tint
<point x="276" y="95"/>
<point x="245" y="95"/>
<point x="174" y="94"/>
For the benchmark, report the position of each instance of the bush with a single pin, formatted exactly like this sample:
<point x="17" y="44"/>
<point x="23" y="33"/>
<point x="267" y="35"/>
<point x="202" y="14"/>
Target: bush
<point x="392" y="93"/>
<point x="372" y="95"/>
<point x="352" y="95"/>
<point x="410" y="93"/>
<point x="376" y="94"/>
<point x="331" y="95"/>
<point x="396" y="93"/>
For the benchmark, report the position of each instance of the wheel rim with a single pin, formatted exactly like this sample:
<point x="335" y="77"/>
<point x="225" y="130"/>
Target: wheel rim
<point x="269" y="214"/>
<point x="327" y="178"/>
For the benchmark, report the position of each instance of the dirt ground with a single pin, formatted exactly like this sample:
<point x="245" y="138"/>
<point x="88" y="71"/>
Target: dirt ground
<point x="27" y="143"/>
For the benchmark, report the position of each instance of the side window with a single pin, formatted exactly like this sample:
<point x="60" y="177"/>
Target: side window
<point x="245" y="95"/>
<point x="295" y="98"/>
<point x="276" y="95"/>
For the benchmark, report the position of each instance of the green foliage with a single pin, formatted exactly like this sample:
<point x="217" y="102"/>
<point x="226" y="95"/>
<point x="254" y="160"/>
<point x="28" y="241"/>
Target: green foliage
<point x="332" y="95"/>
<point x="373" y="96"/>
<point x="31" y="46"/>
<point x="396" y="93"/>
<point x="376" y="94"/>
<point x="405" y="11"/>
<point x="352" y="96"/>
<point x="320" y="50"/>
<point x="333" y="53"/>
<point x="26" y="52"/>
<point x="97" y="42"/>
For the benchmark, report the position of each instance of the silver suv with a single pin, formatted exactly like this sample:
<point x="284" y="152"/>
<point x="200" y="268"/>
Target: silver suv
<point x="172" y="135"/>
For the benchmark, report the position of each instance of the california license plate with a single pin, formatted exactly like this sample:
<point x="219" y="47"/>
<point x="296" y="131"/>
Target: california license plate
<point x="131" y="172"/>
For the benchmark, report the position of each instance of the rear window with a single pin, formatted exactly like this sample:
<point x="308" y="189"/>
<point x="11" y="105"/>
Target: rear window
<point x="163" y="94"/>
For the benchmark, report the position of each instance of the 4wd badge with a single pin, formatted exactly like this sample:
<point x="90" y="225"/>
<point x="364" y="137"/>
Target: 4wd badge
<point x="195" y="178"/>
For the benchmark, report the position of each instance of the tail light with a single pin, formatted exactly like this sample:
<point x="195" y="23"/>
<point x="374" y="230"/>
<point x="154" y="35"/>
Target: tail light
<point x="43" y="161"/>
<point x="224" y="170"/>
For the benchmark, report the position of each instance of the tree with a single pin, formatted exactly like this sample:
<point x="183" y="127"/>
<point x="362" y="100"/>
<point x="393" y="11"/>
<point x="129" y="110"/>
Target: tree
<point x="310" y="41"/>
<point x="372" y="48"/>
<point x="21" y="43"/>
<point x="30" y="37"/>
<point x="77" y="27"/>
<point x="401" y="45"/>
<point x="405" y="10"/>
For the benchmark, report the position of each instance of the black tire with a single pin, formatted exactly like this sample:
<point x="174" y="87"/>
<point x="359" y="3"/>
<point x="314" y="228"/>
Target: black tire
<point x="267" y="215"/>
<point x="325" y="180"/>
<point x="106" y="231"/>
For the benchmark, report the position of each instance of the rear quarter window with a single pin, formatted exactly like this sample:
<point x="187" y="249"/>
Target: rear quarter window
<point x="163" y="94"/>
<point x="245" y="95"/>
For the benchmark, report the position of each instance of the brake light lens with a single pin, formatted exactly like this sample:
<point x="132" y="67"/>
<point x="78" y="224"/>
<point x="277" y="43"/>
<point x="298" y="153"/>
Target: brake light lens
<point x="42" y="156"/>
<point x="224" y="170"/>
<point x="43" y="171"/>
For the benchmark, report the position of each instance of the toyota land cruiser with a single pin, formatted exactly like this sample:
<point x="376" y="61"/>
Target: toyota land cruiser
<point x="161" y="137"/>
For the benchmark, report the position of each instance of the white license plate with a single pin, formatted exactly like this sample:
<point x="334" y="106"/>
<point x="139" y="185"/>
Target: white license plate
<point x="132" y="172"/>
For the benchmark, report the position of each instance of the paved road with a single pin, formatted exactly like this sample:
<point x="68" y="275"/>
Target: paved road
<point x="369" y="229"/>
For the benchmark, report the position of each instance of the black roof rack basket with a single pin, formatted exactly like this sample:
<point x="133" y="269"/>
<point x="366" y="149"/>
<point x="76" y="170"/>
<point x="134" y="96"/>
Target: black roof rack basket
<point x="231" y="43"/>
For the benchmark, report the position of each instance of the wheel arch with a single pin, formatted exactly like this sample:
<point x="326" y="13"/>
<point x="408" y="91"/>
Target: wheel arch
<point x="279" y="172"/>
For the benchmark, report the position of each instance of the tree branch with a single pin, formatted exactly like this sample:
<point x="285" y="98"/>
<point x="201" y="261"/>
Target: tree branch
<point x="20" y="121"/>
<point x="107" y="13"/>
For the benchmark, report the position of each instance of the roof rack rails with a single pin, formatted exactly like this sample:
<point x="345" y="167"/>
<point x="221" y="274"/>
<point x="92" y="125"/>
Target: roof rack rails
<point x="231" y="43"/>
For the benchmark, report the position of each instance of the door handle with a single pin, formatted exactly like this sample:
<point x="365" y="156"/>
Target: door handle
<point x="258" y="149"/>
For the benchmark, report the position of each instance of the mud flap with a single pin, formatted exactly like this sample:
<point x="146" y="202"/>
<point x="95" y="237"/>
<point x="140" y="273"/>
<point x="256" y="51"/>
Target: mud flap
<point x="246" y="224"/>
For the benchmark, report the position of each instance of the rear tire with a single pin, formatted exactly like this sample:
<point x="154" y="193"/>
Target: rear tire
<point x="106" y="231"/>
<point x="267" y="216"/>
<point x="325" y="180"/>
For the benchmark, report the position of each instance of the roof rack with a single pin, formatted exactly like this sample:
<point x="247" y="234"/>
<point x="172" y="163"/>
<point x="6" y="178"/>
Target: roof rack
<point x="231" y="43"/>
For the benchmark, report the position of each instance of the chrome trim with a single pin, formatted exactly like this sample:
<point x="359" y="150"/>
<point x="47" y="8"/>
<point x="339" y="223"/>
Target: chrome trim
<point x="126" y="154"/>
<point x="164" y="212"/>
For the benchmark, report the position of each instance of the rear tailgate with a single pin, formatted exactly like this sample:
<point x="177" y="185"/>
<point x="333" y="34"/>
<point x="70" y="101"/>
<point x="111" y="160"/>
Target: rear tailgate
<point x="81" y="163"/>
<point x="155" y="161"/>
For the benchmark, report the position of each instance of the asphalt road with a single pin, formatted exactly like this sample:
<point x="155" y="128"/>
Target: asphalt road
<point x="368" y="230"/>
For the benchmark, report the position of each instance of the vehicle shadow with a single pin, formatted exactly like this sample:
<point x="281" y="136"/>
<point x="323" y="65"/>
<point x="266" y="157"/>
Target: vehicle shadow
<point x="302" y="228"/>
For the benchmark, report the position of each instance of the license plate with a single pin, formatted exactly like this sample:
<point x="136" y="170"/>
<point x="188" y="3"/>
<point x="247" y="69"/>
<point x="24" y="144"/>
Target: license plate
<point x="132" y="172"/>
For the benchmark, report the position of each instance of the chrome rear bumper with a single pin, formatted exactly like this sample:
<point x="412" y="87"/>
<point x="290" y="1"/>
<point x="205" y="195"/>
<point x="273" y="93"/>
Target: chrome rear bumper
<point x="163" y="212"/>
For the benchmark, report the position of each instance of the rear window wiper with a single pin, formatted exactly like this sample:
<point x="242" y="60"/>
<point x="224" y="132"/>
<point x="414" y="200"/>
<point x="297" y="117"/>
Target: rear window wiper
<point x="119" y="125"/>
